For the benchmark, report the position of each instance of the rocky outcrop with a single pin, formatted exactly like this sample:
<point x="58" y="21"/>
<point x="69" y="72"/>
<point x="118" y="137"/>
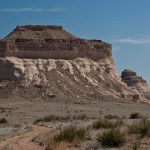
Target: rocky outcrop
<point x="81" y="77"/>
<point x="41" y="61"/>
<point x="133" y="81"/>
<point x="51" y="42"/>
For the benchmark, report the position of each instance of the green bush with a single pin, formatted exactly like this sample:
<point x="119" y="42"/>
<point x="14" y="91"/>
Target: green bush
<point x="105" y="123"/>
<point x="3" y="120"/>
<point x="71" y="133"/>
<point x="111" y="138"/>
<point x="141" y="127"/>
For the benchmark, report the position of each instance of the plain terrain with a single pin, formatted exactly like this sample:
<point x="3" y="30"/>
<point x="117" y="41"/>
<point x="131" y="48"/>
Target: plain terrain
<point x="21" y="113"/>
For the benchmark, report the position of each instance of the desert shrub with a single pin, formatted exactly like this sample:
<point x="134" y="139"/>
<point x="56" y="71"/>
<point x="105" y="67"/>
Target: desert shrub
<point x="135" y="115"/>
<point x="105" y="123"/>
<point x="71" y="133"/>
<point x="136" y="96"/>
<point x="111" y="138"/>
<point x="53" y="145"/>
<point x="51" y="118"/>
<point x="60" y="118"/>
<point x="140" y="127"/>
<point x="3" y="120"/>
<point x="111" y="117"/>
<point x="136" y="145"/>
<point x="79" y="117"/>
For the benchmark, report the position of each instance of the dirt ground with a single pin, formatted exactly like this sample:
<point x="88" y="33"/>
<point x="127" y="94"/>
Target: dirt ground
<point x="19" y="132"/>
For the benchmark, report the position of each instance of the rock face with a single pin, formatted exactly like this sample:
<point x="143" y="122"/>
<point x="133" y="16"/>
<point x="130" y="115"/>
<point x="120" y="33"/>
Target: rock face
<point x="51" y="42"/>
<point x="41" y="61"/>
<point x="131" y="79"/>
<point x="135" y="82"/>
<point x="79" y="77"/>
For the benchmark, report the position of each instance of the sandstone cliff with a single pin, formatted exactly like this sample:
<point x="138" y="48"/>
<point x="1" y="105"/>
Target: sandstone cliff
<point x="43" y="61"/>
<point x="79" y="77"/>
<point x="136" y="83"/>
<point x="50" y="42"/>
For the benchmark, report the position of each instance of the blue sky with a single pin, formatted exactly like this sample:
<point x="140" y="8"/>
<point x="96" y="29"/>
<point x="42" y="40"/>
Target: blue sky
<point x="123" y="23"/>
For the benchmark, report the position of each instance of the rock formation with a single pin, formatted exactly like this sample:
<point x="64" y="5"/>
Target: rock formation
<point x="131" y="79"/>
<point x="135" y="82"/>
<point x="41" y="61"/>
<point x="50" y="42"/>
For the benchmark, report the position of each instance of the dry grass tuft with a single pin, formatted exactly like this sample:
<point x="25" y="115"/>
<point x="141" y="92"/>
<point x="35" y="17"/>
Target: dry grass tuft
<point x="141" y="127"/>
<point x="105" y="123"/>
<point x="111" y="138"/>
<point x="69" y="135"/>
<point x="53" y="145"/>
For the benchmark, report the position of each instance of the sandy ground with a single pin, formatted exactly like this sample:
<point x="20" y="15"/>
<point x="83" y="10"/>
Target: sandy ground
<point x="27" y="111"/>
<point x="23" y="112"/>
<point x="24" y="141"/>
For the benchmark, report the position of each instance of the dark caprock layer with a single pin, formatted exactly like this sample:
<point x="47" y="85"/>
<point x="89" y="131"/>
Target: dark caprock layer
<point x="50" y="42"/>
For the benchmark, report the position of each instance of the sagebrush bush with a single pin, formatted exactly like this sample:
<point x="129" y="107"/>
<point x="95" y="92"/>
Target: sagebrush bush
<point x="135" y="115"/>
<point x="71" y="133"/>
<point x="111" y="138"/>
<point x="141" y="127"/>
<point x="105" y="123"/>
<point x="3" y="120"/>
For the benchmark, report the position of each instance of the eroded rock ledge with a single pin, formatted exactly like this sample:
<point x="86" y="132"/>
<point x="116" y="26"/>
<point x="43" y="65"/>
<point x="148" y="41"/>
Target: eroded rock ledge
<point x="51" y="42"/>
<point x="135" y="82"/>
<point x="131" y="79"/>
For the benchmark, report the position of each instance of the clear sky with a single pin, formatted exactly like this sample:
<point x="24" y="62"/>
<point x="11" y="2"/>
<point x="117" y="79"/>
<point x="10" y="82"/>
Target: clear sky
<point x="123" y="23"/>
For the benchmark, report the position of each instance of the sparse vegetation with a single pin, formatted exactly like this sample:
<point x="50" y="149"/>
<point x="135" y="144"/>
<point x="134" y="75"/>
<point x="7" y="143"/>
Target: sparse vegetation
<point x="53" y="145"/>
<point x="111" y="117"/>
<point x="51" y="118"/>
<point x="70" y="134"/>
<point x="111" y="138"/>
<point x="79" y="117"/>
<point x="60" y="118"/>
<point x="141" y="127"/>
<point x="136" y="145"/>
<point x="135" y="115"/>
<point x="105" y="123"/>
<point x="3" y="120"/>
